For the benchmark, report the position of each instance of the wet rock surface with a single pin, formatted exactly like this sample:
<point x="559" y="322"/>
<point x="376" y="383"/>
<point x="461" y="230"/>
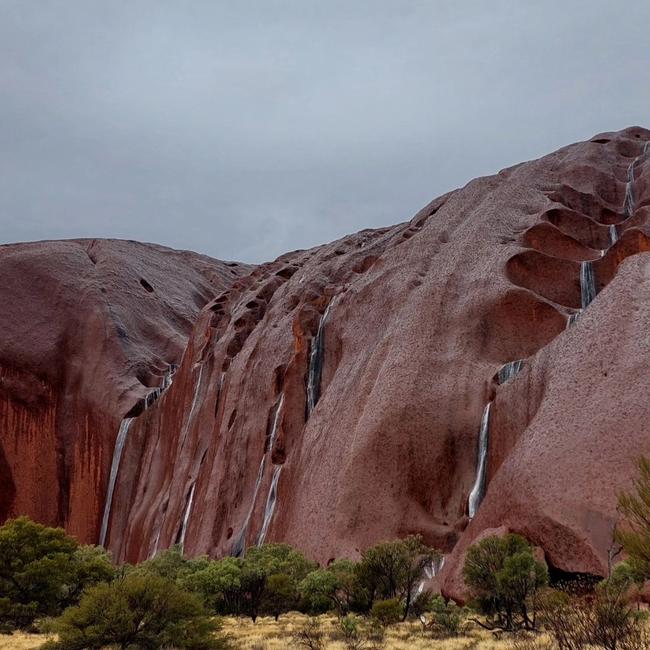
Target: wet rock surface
<point x="421" y="319"/>
<point x="88" y="329"/>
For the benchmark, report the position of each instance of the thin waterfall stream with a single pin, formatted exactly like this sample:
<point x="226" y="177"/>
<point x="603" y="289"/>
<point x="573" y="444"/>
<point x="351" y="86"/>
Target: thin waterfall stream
<point x="509" y="370"/>
<point x="186" y="517"/>
<point x="238" y="548"/>
<point x="112" y="479"/>
<point x="628" y="201"/>
<point x="269" y="509"/>
<point x="613" y="234"/>
<point x="193" y="407"/>
<point x="588" y="288"/>
<point x="316" y="355"/>
<point x="120" y="442"/>
<point x="478" y="490"/>
<point x="587" y="284"/>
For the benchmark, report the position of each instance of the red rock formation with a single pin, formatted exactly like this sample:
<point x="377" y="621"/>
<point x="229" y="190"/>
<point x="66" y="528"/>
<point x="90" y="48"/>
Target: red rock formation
<point x="88" y="328"/>
<point x="422" y="317"/>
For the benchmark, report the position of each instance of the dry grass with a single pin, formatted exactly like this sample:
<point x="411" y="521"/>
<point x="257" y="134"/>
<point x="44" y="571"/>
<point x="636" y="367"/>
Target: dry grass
<point x="20" y="641"/>
<point x="267" y="634"/>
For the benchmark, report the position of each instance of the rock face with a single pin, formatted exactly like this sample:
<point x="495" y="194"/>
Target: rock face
<point x="334" y="397"/>
<point x="89" y="328"/>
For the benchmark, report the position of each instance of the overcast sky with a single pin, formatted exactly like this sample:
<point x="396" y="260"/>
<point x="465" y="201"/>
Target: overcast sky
<point x="245" y="129"/>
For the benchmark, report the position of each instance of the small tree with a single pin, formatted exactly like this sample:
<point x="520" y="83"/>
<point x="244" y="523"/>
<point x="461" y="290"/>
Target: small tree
<point x="336" y="587"/>
<point x="262" y="562"/>
<point x="136" y="611"/>
<point x="635" y="506"/>
<point x="280" y="595"/>
<point x="171" y="564"/>
<point x="319" y="590"/>
<point x="91" y="565"/>
<point x="219" y="583"/>
<point x="43" y="570"/>
<point x="387" y="612"/>
<point x="394" y="569"/>
<point x="505" y="578"/>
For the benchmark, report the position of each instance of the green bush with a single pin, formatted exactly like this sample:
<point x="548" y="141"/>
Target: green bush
<point x="43" y="570"/>
<point x="351" y="634"/>
<point x="265" y="580"/>
<point x="445" y="618"/>
<point x="280" y="595"/>
<point x="219" y="583"/>
<point x="505" y="579"/>
<point x="138" y="612"/>
<point x="394" y="569"/>
<point x="635" y="536"/>
<point x="387" y="612"/>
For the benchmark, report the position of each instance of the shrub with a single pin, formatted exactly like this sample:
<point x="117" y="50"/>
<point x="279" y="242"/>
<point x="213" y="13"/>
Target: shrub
<point x="136" y="611"/>
<point x="337" y="587"/>
<point x="445" y="618"/>
<point x="172" y="564"/>
<point x="567" y="621"/>
<point x="605" y="619"/>
<point x="394" y="569"/>
<point x="265" y="580"/>
<point x="421" y="604"/>
<point x="219" y="583"/>
<point x="505" y="579"/>
<point x="43" y="570"/>
<point x="262" y="562"/>
<point x="280" y="595"/>
<point x="310" y="636"/>
<point x="387" y="612"/>
<point x="635" y="506"/>
<point x="351" y="633"/>
<point x="615" y="623"/>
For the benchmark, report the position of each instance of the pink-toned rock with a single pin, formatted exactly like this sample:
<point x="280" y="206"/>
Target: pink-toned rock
<point x="420" y="318"/>
<point x="88" y="328"/>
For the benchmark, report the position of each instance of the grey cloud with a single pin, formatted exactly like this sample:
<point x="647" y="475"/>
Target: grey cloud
<point x="245" y="129"/>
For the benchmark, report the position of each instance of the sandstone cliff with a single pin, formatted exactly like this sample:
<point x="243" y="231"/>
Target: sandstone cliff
<point x="88" y="329"/>
<point x="334" y="397"/>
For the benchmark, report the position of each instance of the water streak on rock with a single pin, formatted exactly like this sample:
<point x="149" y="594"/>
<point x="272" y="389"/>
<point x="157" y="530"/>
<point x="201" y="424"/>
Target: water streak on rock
<point x="478" y="490"/>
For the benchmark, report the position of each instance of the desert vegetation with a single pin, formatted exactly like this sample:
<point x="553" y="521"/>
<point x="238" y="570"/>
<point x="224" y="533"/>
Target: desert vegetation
<point x="59" y="595"/>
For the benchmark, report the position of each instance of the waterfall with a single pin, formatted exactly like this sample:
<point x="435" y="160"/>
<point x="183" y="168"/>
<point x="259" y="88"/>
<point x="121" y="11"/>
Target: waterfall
<point x="435" y="567"/>
<point x="316" y="354"/>
<point x="270" y="505"/>
<point x="155" y="394"/>
<point x="587" y="283"/>
<point x="478" y="490"/>
<point x="239" y="547"/>
<point x="277" y="412"/>
<point x="112" y="479"/>
<point x="186" y="517"/>
<point x="613" y="234"/>
<point x="430" y="571"/>
<point x="119" y="447"/>
<point x="195" y="402"/>
<point x="573" y="318"/>
<point x="509" y="370"/>
<point x="628" y="202"/>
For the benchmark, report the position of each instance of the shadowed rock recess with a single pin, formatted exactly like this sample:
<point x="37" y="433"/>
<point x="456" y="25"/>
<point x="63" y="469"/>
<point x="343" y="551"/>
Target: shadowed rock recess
<point x="481" y="368"/>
